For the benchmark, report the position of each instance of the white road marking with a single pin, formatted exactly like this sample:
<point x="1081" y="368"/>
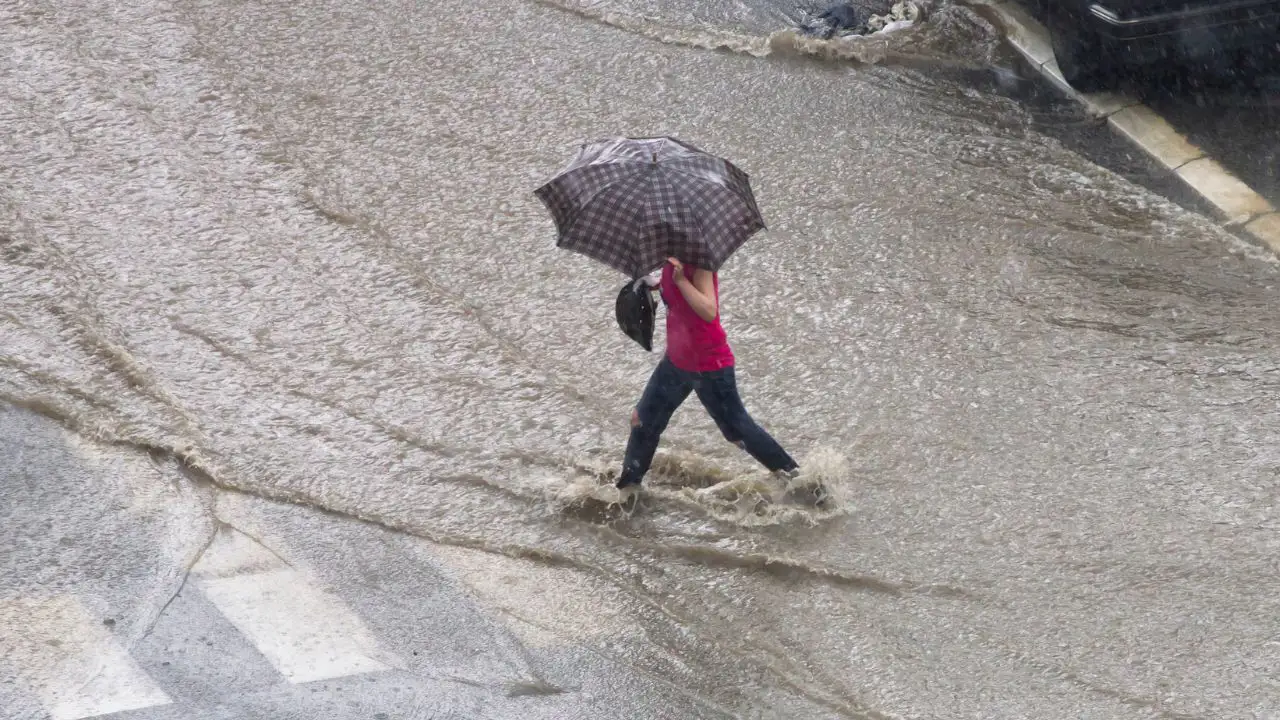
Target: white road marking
<point x="79" y="667"/>
<point x="117" y="684"/>
<point x="234" y="553"/>
<point x="304" y="633"/>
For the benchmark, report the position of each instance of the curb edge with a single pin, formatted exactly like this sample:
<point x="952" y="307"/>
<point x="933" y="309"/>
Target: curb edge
<point x="1239" y="206"/>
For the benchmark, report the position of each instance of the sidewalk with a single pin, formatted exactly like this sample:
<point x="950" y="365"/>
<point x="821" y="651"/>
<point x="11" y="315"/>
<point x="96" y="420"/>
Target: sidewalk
<point x="1240" y="208"/>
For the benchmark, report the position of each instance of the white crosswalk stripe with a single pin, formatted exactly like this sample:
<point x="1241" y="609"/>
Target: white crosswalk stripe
<point x="115" y="684"/>
<point x="79" y="669"/>
<point x="305" y="633"/>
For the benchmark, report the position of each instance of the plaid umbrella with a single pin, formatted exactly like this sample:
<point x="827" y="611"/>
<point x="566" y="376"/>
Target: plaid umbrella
<point x="633" y="202"/>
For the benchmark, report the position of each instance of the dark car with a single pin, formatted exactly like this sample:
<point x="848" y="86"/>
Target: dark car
<point x="1096" y="39"/>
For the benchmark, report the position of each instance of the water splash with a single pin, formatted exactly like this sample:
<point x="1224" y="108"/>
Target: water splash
<point x="746" y="496"/>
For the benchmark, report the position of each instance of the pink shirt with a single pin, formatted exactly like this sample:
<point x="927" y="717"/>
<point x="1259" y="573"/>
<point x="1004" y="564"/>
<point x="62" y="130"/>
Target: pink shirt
<point x="693" y="344"/>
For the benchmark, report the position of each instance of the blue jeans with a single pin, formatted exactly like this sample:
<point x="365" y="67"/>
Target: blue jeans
<point x="718" y="390"/>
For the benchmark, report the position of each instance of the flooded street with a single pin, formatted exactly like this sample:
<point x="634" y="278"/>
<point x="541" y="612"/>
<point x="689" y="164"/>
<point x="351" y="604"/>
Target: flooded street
<point x="295" y="247"/>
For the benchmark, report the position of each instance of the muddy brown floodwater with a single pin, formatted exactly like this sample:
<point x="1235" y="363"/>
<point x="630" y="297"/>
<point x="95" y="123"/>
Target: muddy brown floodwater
<point x="295" y="245"/>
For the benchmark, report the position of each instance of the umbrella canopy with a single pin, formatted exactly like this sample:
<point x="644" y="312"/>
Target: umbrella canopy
<point x="631" y="203"/>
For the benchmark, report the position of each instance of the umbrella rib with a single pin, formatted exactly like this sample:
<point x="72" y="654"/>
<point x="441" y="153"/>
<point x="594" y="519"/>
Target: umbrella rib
<point x="727" y="186"/>
<point x="623" y="186"/>
<point x="702" y="231"/>
<point x="638" y="249"/>
<point x="597" y="193"/>
<point x="697" y="217"/>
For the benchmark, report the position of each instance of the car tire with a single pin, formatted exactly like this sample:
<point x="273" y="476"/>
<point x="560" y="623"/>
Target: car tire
<point x="1081" y="53"/>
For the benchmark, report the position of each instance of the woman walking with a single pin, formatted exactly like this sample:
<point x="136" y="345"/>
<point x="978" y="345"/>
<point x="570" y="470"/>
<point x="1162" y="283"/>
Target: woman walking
<point x="698" y="359"/>
<point x="629" y="203"/>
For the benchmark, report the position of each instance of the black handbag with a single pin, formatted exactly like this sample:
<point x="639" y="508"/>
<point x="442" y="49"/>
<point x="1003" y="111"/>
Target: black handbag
<point x="637" y="312"/>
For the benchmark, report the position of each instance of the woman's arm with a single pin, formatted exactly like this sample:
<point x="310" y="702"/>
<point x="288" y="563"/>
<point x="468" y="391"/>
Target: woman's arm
<point x="700" y="293"/>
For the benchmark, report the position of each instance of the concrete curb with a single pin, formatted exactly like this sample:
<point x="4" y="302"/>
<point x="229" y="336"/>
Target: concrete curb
<point x="1240" y="207"/>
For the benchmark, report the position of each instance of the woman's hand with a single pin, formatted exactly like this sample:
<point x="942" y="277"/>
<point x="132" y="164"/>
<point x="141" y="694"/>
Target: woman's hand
<point x="677" y="268"/>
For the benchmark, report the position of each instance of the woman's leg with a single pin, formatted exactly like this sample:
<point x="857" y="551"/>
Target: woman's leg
<point x="718" y="391"/>
<point x="667" y="388"/>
